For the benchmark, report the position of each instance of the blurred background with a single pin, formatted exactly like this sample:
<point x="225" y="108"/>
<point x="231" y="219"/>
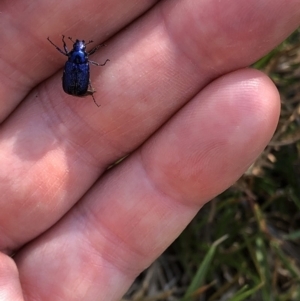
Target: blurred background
<point x="244" y="244"/>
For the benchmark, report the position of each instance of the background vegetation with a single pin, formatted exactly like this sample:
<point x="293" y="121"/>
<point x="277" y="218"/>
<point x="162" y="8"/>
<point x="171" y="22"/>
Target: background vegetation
<point x="245" y="244"/>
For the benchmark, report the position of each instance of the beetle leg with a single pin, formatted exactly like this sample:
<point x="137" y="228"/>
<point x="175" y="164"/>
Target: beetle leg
<point x="95" y="49"/>
<point x="95" y="100"/>
<point x="71" y="40"/>
<point x="91" y="92"/>
<point x="61" y="51"/>
<point x="94" y="63"/>
<point x="89" y="42"/>
<point x="97" y="64"/>
<point x="65" y="45"/>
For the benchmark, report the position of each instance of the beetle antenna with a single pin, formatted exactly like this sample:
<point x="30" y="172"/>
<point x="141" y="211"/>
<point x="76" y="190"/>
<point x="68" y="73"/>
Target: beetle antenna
<point x="71" y="40"/>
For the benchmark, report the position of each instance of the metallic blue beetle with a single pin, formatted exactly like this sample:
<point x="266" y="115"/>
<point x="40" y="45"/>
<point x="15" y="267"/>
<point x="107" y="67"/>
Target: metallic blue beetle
<point x="76" y="77"/>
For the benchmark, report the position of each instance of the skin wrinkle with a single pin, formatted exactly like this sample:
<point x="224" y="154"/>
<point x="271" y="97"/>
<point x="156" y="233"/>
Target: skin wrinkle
<point x="168" y="30"/>
<point x="155" y="185"/>
<point x="119" y="263"/>
<point x="6" y="236"/>
<point x="115" y="129"/>
<point x="181" y="53"/>
<point x="181" y="200"/>
<point x="198" y="65"/>
<point x="178" y="196"/>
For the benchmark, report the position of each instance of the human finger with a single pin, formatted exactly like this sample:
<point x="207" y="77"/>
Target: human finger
<point x="140" y="206"/>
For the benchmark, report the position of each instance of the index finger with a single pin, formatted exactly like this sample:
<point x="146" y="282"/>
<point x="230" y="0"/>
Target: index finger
<point x="25" y="56"/>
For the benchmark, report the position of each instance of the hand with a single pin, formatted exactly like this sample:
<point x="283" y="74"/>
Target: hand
<point x="176" y="97"/>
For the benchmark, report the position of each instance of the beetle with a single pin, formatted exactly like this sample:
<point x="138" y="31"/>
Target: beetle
<point x="76" y="76"/>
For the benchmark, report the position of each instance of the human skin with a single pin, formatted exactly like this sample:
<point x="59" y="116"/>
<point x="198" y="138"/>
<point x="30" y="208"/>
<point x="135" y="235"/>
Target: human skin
<point x="176" y="97"/>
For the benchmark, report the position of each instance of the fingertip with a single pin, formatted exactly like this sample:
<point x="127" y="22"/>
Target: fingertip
<point x="251" y="100"/>
<point x="213" y="140"/>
